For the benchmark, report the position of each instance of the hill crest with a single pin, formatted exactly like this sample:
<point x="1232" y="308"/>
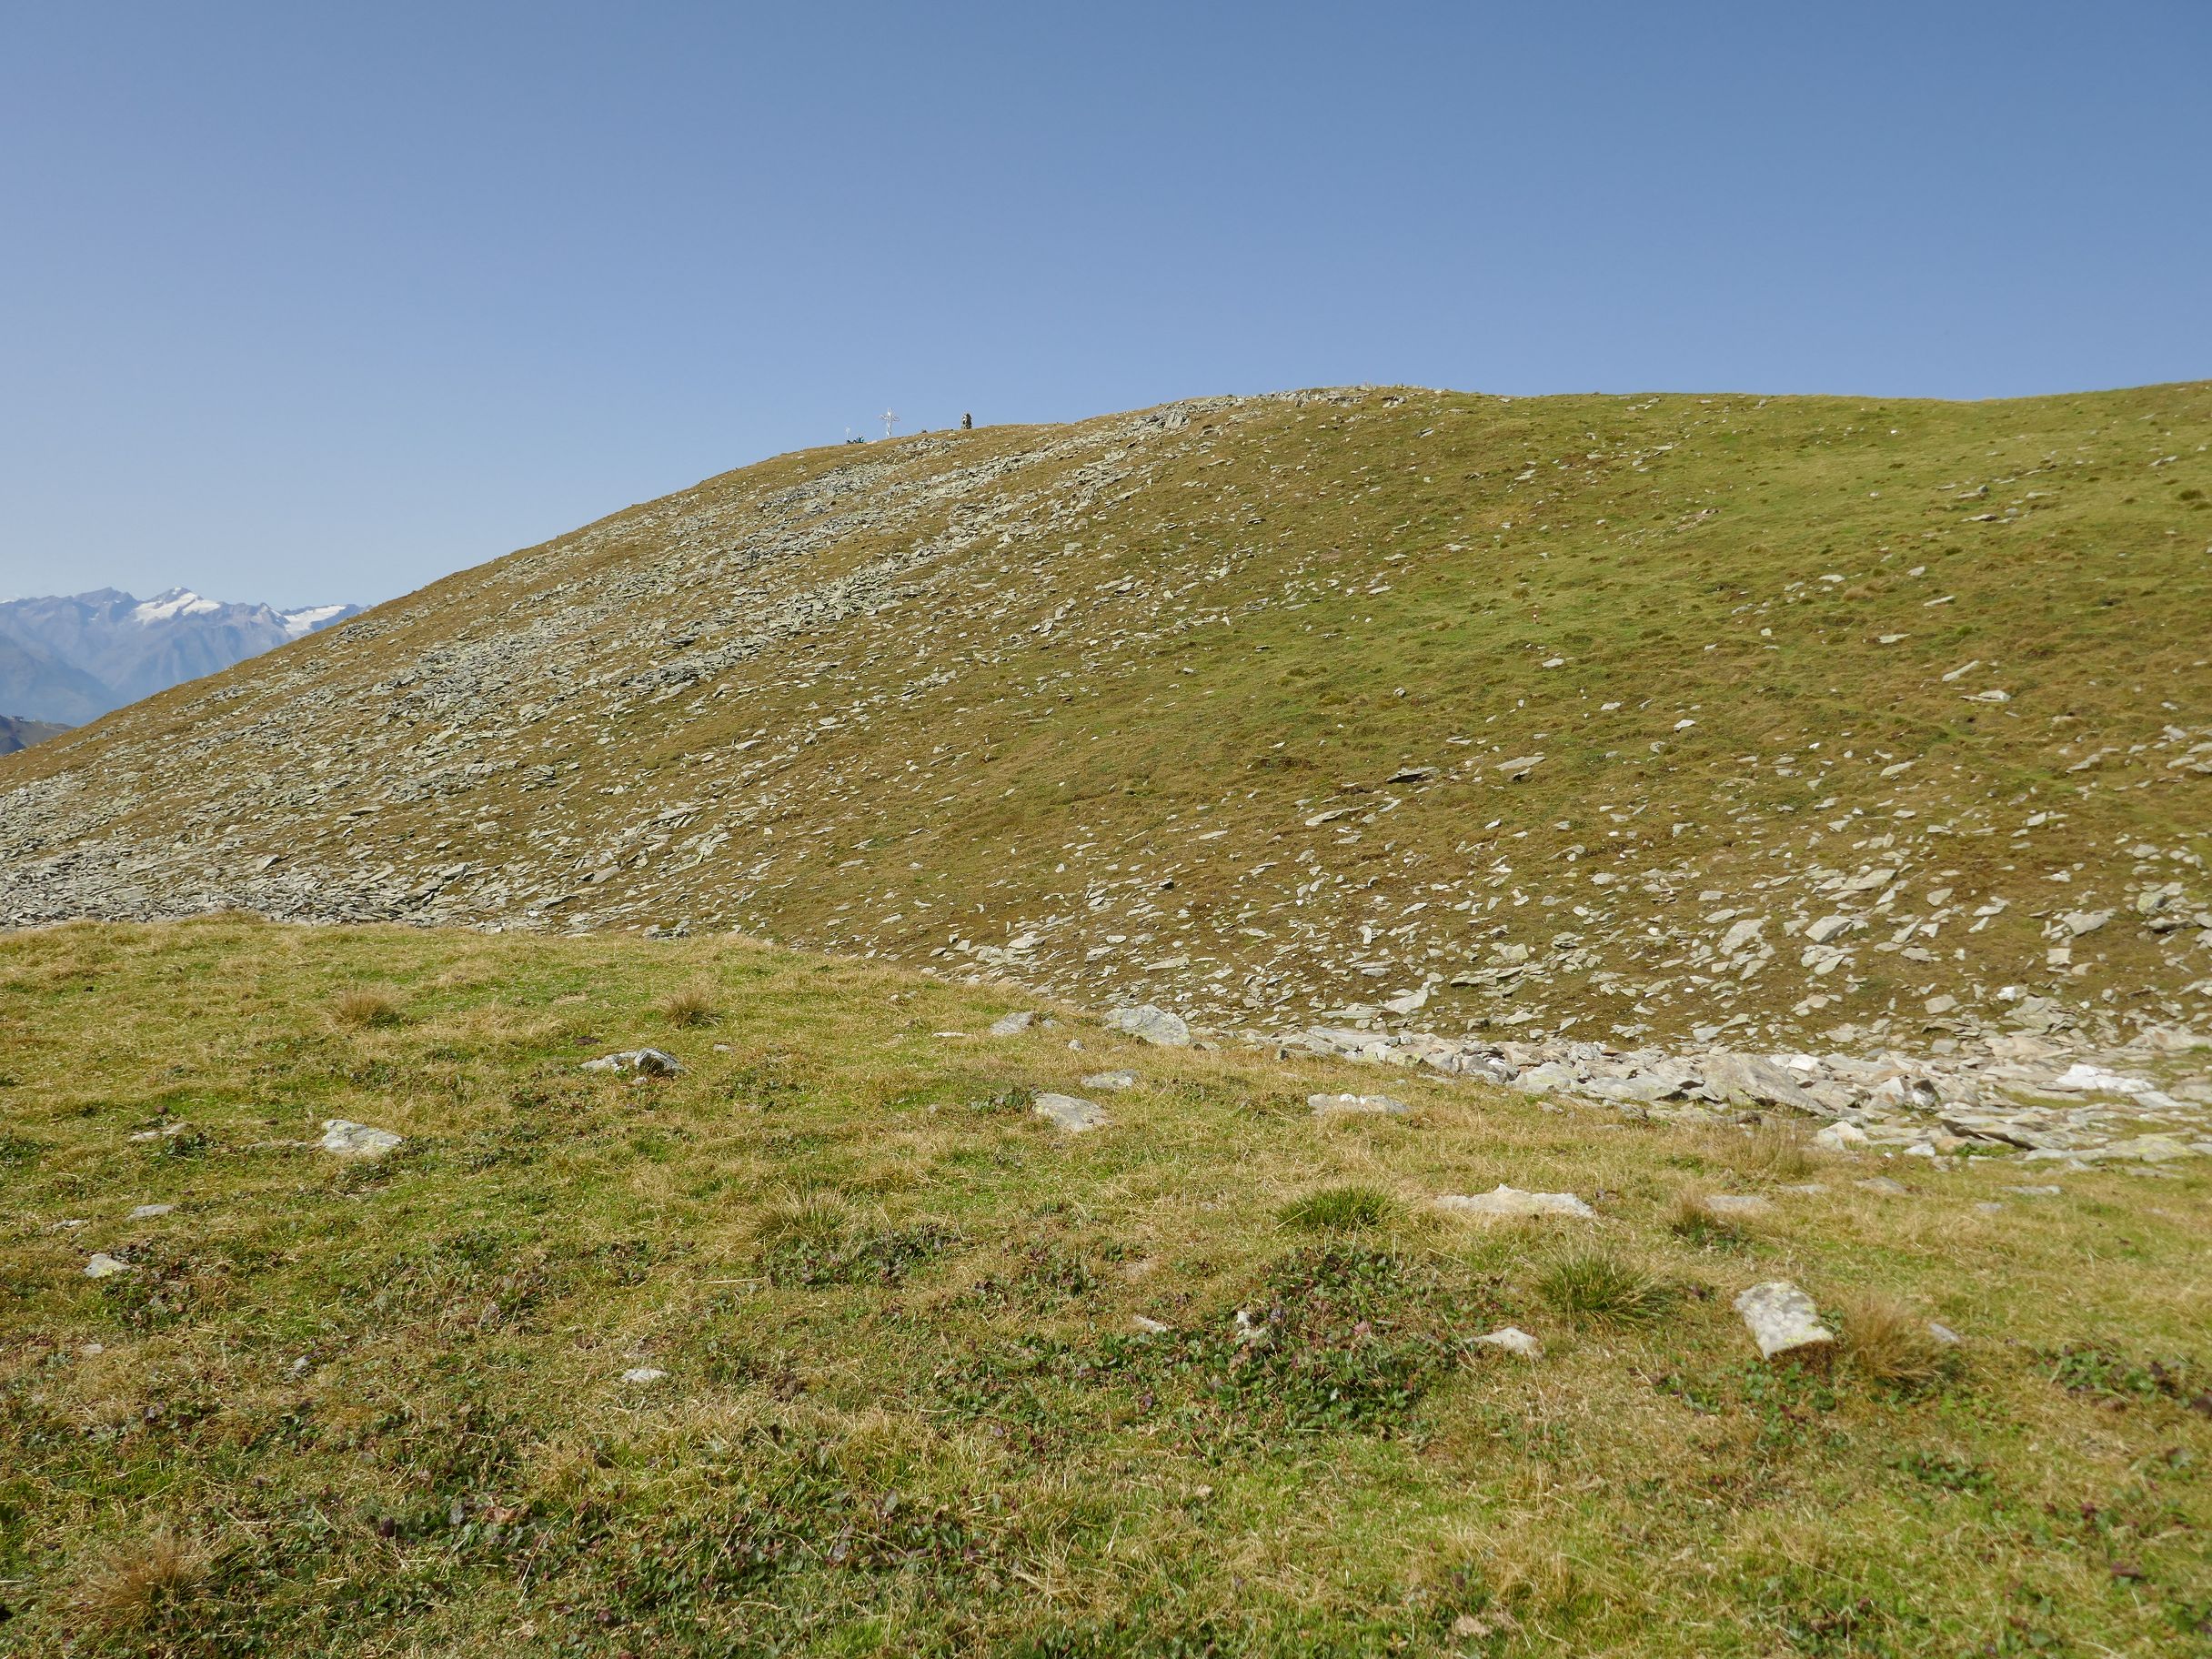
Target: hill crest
<point x="1752" y="720"/>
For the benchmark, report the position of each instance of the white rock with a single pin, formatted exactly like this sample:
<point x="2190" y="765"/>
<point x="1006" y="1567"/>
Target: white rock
<point x="1944" y="1334"/>
<point x="1323" y="1104"/>
<point x="1826" y="928"/>
<point x="1111" y="1080"/>
<point x="102" y="1266"/>
<point x="145" y="1213"/>
<point x="1507" y="1201"/>
<point x="1145" y="1326"/>
<point x="644" y="1373"/>
<point x="1152" y="1025"/>
<point x="1841" y="1136"/>
<point x="350" y="1140"/>
<point x="1013" y="1025"/>
<point x="1514" y="1340"/>
<point x="1071" y="1112"/>
<point x="1782" y="1318"/>
<point x="2081" y="1078"/>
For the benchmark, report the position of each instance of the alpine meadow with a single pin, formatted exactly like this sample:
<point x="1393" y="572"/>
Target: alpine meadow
<point x="1360" y="1021"/>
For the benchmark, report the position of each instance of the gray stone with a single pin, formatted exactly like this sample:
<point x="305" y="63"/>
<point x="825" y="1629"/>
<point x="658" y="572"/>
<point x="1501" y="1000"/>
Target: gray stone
<point x="1513" y="1340"/>
<point x="1111" y="1080"/>
<point x="645" y="1062"/>
<point x="1883" y="1185"/>
<point x="1503" y="1202"/>
<point x="350" y="1140"/>
<point x="1841" y="1136"/>
<point x="1013" y="1025"/>
<point x="1149" y="1024"/>
<point x="104" y="1266"/>
<point x="1782" y="1318"/>
<point x="1746" y="1079"/>
<point x="644" y="1373"/>
<point x="145" y="1212"/>
<point x="1071" y="1112"/>
<point x="1553" y="1077"/>
<point x="1322" y="1105"/>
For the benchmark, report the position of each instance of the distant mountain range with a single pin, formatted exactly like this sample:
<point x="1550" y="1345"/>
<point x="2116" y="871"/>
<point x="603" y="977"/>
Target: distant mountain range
<point x="67" y="660"/>
<point x="17" y="734"/>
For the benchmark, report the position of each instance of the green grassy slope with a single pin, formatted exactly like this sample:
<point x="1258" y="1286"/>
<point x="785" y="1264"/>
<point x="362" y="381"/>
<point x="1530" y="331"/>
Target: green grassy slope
<point x="1217" y="705"/>
<point x="379" y="1408"/>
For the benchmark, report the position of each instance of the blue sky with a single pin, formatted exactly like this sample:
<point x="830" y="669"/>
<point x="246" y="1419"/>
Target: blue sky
<point x="315" y="302"/>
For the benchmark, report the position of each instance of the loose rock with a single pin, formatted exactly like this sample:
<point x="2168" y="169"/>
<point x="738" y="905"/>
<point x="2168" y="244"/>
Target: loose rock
<point x="1782" y="1318"/>
<point x="645" y="1062"/>
<point x="1149" y="1024"/>
<point x="1323" y="1104"/>
<point x="1071" y="1112"/>
<point x="1514" y="1340"/>
<point x="1507" y="1201"/>
<point x="350" y="1140"/>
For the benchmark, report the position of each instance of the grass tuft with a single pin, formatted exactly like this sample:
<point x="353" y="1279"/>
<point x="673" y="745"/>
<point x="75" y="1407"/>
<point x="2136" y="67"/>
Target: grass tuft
<point x="1603" y="1287"/>
<point x="361" y="1008"/>
<point x="1344" y="1208"/>
<point x="1776" y="1150"/>
<point x="1890" y="1345"/>
<point x="141" y="1582"/>
<point x="1692" y="1218"/>
<point x="692" y="1006"/>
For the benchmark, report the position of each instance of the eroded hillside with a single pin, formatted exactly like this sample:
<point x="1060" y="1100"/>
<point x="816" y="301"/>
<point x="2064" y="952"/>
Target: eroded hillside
<point x="1611" y="717"/>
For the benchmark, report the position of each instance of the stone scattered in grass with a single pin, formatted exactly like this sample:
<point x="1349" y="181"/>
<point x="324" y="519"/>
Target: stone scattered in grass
<point x="1784" y="1321"/>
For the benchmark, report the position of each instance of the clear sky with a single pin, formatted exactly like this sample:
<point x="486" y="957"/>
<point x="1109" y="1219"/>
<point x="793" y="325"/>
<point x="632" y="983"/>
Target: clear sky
<point x="313" y="302"/>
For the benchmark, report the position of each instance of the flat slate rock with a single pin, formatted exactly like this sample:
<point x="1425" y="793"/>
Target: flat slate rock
<point x="1071" y="1112"/>
<point x="1152" y="1025"/>
<point x="1782" y="1318"/>
<point x="1504" y="1202"/>
<point x="1111" y="1080"/>
<point x="1323" y="1104"/>
<point x="1013" y="1025"/>
<point x="350" y="1140"/>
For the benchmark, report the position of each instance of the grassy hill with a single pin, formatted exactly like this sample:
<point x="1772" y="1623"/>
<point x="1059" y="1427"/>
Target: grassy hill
<point x="831" y="1345"/>
<point x="1619" y="717"/>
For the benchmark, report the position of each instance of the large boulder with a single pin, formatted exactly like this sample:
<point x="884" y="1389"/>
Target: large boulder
<point x="1746" y="1079"/>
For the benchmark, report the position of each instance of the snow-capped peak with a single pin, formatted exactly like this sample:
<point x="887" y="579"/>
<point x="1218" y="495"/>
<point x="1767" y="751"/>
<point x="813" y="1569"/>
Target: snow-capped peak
<point x="307" y="619"/>
<point x="176" y="602"/>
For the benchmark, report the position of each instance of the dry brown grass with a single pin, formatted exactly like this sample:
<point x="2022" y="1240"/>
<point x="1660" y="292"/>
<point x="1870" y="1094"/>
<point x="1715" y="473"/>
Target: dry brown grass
<point x="139" y="1583"/>
<point x="693" y="1005"/>
<point x="1693" y="1217"/>
<point x="1887" y="1342"/>
<point x="1776" y="1150"/>
<point x="360" y="1007"/>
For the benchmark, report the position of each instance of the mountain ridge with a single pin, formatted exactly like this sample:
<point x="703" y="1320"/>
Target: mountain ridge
<point x="1625" y="717"/>
<point x="70" y="658"/>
